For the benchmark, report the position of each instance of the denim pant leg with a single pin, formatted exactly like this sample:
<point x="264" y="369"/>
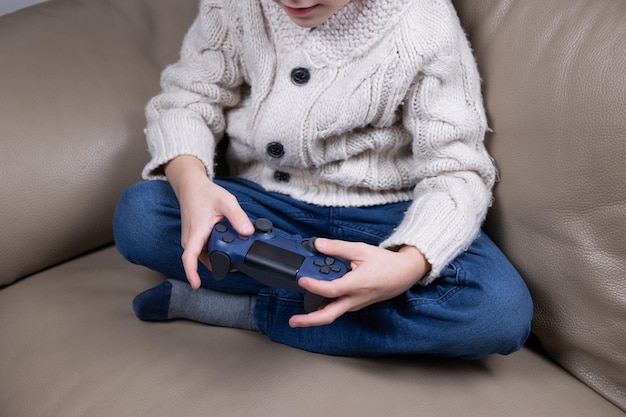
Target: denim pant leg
<point x="146" y="227"/>
<point x="478" y="306"/>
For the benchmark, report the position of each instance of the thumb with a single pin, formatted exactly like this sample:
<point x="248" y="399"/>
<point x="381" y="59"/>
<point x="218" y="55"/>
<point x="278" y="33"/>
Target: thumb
<point x="239" y="220"/>
<point x="339" y="248"/>
<point x="242" y="224"/>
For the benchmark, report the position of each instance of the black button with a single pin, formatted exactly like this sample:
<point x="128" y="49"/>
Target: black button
<point x="309" y="244"/>
<point x="300" y="76"/>
<point x="220" y="263"/>
<point x="228" y="238"/>
<point x="275" y="150"/>
<point x="281" y="176"/>
<point x="263" y="225"/>
<point x="221" y="228"/>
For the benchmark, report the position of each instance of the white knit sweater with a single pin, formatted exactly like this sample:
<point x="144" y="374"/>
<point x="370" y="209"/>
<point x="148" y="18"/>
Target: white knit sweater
<point x="390" y="110"/>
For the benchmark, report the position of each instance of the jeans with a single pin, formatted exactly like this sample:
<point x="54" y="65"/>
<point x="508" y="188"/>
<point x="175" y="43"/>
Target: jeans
<point x="479" y="305"/>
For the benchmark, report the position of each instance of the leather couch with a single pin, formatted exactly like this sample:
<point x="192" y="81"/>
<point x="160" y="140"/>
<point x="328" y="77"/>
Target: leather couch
<point x="74" y="78"/>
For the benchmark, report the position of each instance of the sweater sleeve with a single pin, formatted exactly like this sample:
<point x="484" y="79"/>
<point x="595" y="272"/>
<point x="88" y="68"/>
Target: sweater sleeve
<point x="187" y="117"/>
<point x="444" y="113"/>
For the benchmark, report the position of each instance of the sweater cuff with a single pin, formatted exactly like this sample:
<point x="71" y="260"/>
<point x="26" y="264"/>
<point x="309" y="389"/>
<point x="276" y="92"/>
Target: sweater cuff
<point x="439" y="229"/>
<point x="175" y="133"/>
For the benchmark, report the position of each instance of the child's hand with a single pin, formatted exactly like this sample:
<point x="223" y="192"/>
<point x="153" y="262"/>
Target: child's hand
<point x="202" y="204"/>
<point x="377" y="275"/>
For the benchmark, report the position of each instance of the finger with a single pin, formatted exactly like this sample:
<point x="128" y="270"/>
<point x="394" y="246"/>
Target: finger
<point x="237" y="217"/>
<point x="341" y="248"/>
<point x="327" y="315"/>
<point x="327" y="289"/>
<point x="190" y="257"/>
<point x="204" y="258"/>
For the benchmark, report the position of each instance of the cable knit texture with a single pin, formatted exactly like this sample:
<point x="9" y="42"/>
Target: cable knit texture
<point x="392" y="111"/>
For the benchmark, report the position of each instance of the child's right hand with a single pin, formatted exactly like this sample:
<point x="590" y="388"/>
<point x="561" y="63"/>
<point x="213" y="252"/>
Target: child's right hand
<point x="202" y="204"/>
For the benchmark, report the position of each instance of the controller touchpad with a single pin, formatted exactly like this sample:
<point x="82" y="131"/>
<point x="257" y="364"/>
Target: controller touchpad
<point x="274" y="260"/>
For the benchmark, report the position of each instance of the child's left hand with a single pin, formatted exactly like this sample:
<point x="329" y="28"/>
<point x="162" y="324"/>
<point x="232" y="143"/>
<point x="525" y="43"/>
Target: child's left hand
<point x="377" y="275"/>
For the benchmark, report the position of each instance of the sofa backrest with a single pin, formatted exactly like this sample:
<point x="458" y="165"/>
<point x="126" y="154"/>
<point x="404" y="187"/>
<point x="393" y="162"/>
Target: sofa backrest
<point x="73" y="86"/>
<point x="555" y="90"/>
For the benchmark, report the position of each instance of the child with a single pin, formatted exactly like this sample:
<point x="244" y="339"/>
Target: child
<point x="358" y="121"/>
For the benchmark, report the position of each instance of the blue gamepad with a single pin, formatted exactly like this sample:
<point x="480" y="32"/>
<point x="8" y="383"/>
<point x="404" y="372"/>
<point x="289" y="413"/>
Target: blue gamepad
<point x="272" y="257"/>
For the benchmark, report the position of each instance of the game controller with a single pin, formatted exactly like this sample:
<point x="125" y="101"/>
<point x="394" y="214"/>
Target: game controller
<point x="273" y="258"/>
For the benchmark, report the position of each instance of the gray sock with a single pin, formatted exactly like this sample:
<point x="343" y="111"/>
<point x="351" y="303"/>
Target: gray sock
<point x="174" y="299"/>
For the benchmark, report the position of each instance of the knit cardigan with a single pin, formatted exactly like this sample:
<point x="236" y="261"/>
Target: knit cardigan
<point x="385" y="106"/>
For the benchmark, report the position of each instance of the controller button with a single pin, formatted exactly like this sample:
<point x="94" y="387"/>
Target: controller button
<point x="263" y="225"/>
<point x="243" y="237"/>
<point x="319" y="262"/>
<point x="221" y="228"/>
<point x="309" y="244"/>
<point x="228" y="238"/>
<point x="329" y="260"/>
<point x="325" y="270"/>
<point x="335" y="268"/>
<point x="220" y="263"/>
<point x="275" y="150"/>
<point x="281" y="176"/>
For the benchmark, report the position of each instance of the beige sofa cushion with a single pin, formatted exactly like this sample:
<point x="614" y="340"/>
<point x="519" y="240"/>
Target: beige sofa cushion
<point x="556" y="98"/>
<point x="76" y="349"/>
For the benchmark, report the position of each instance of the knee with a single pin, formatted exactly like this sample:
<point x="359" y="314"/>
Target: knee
<point x="125" y="220"/>
<point x="504" y="324"/>
<point x="136" y="218"/>
<point x="499" y="298"/>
